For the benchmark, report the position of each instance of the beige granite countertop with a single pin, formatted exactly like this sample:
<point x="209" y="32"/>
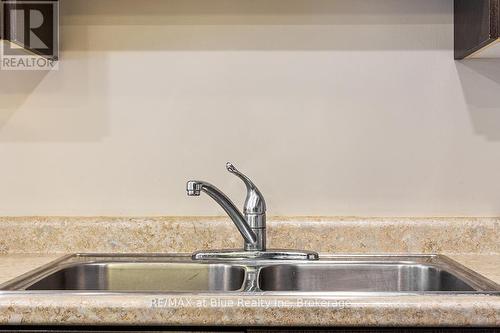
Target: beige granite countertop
<point x="13" y="265"/>
<point x="29" y="242"/>
<point x="247" y="310"/>
<point x="484" y="264"/>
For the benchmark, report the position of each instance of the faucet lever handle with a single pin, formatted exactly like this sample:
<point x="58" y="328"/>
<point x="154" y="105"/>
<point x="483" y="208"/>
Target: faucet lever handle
<point x="254" y="203"/>
<point x="232" y="169"/>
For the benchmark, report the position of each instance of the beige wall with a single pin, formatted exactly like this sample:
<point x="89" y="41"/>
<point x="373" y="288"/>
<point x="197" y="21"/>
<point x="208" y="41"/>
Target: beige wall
<point x="333" y="107"/>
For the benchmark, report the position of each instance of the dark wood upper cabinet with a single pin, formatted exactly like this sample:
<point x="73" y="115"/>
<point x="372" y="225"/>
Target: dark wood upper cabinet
<point x="477" y="24"/>
<point x="477" y="28"/>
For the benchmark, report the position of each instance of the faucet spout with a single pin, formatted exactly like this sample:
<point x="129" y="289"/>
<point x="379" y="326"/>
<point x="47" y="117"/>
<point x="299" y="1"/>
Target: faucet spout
<point x="195" y="187"/>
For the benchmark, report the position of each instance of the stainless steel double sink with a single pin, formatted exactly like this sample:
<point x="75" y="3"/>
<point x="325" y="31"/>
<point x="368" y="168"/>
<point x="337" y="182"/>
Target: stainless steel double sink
<point x="367" y="274"/>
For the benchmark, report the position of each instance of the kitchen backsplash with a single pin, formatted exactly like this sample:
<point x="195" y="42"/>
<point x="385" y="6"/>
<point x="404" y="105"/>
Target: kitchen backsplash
<point x="333" y="107"/>
<point x="187" y="234"/>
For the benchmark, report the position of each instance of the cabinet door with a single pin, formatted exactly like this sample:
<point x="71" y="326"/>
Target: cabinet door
<point x="476" y="27"/>
<point x="379" y="330"/>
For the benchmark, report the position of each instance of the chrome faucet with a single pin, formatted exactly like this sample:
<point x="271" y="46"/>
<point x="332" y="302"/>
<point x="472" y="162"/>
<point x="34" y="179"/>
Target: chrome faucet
<point x="251" y="224"/>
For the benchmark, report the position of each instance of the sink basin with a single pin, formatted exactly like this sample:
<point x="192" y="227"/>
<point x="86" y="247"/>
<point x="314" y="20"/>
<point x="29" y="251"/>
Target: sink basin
<point x="125" y="276"/>
<point x="359" y="277"/>
<point x="370" y="275"/>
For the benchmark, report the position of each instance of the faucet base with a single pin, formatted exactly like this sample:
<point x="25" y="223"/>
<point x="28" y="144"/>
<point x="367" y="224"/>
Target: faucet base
<point x="254" y="255"/>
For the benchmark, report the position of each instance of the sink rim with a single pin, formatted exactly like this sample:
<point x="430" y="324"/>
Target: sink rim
<point x="18" y="284"/>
